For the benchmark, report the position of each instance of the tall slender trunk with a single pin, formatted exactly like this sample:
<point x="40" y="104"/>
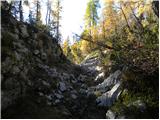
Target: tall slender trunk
<point x="47" y="13"/>
<point x="58" y="6"/>
<point x="20" y="11"/>
<point x="49" y="16"/>
<point x="103" y="29"/>
<point x="37" y="13"/>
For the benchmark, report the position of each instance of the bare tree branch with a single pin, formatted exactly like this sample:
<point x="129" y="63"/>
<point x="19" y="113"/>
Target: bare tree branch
<point x="126" y="20"/>
<point x="95" y="42"/>
<point x="137" y="19"/>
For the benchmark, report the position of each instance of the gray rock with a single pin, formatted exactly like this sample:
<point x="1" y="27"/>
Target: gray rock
<point x="110" y="115"/>
<point x="100" y="76"/>
<point x="83" y="91"/>
<point x="108" y="98"/>
<point x="23" y="50"/>
<point x="110" y="81"/>
<point x="53" y="70"/>
<point x="16" y="30"/>
<point x="90" y="64"/>
<point x="74" y="91"/>
<point x="73" y="81"/>
<point x="84" y="86"/>
<point x="44" y="56"/>
<point x="24" y="31"/>
<point x="57" y="101"/>
<point x="62" y="86"/>
<point x="70" y="88"/>
<point x="6" y="65"/>
<point x="37" y="59"/>
<point x="74" y="96"/>
<point x="90" y="91"/>
<point x="15" y="70"/>
<point x="59" y="96"/>
<point x="81" y="78"/>
<point x="41" y="94"/>
<point x="18" y="56"/>
<point x="59" y="92"/>
<point x="65" y="76"/>
<point x="139" y="104"/>
<point x="98" y="68"/>
<point x="15" y="37"/>
<point x="45" y="83"/>
<point x="18" y="44"/>
<point x="49" y="97"/>
<point x="72" y="77"/>
<point x="36" y="52"/>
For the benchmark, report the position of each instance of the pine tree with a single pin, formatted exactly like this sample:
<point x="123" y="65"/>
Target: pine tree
<point x="91" y="15"/>
<point x="20" y="11"/>
<point x="56" y="15"/>
<point x="38" y="12"/>
<point x="49" y="9"/>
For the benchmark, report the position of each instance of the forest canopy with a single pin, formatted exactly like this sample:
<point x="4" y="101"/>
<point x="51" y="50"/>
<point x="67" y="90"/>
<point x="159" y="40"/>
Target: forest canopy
<point x="128" y="29"/>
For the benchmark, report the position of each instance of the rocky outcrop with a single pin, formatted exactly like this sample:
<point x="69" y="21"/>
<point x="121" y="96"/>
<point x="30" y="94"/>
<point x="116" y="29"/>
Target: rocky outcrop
<point x="109" y="82"/>
<point x="37" y="79"/>
<point x="109" y="89"/>
<point x="90" y="63"/>
<point x="108" y="98"/>
<point x="23" y="50"/>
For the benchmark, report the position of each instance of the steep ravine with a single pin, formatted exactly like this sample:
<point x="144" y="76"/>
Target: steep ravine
<point x="37" y="80"/>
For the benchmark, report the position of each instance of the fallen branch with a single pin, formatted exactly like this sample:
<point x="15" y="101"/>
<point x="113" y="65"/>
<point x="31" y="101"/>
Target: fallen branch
<point x="95" y="42"/>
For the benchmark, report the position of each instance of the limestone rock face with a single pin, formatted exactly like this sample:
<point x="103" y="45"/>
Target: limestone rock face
<point x="36" y="76"/>
<point x="22" y="54"/>
<point x="109" y="97"/>
<point x="90" y="63"/>
<point x="110" y="81"/>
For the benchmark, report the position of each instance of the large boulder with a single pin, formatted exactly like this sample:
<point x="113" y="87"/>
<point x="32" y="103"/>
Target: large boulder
<point x="62" y="86"/>
<point x="113" y="79"/>
<point x="108" y="98"/>
<point x="110" y="115"/>
<point x="90" y="63"/>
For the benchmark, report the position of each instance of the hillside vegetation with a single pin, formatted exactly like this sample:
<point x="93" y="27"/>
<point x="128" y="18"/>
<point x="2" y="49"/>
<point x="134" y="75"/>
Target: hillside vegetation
<point x="111" y="70"/>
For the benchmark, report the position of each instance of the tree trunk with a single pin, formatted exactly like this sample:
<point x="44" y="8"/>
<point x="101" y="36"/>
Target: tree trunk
<point x="20" y="11"/>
